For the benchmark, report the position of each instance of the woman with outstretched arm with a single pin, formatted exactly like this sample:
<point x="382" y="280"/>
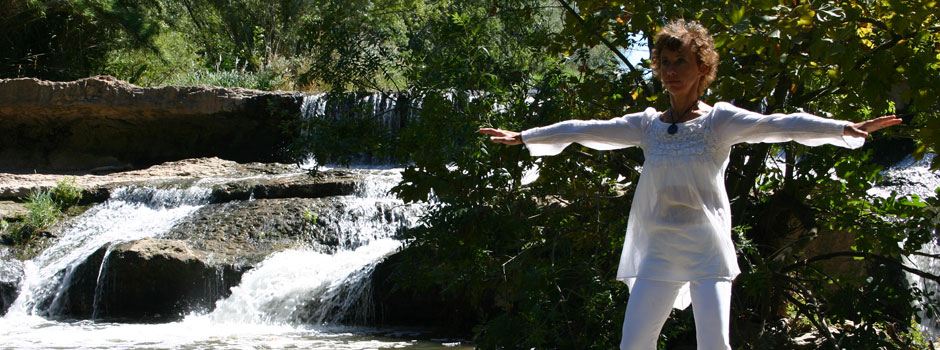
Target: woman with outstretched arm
<point x="677" y="249"/>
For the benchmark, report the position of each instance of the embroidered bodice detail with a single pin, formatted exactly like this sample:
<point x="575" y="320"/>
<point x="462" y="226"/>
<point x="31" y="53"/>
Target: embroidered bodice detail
<point x="691" y="142"/>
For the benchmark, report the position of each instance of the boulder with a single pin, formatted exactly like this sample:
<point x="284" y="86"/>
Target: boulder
<point x="159" y="280"/>
<point x="11" y="273"/>
<point x="75" y="295"/>
<point x="290" y="186"/>
<point x="104" y="123"/>
<point x="243" y="233"/>
<point x="10" y="210"/>
<point x="417" y="307"/>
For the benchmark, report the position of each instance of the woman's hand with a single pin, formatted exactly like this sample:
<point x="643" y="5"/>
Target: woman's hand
<point x="862" y="129"/>
<point x="503" y="136"/>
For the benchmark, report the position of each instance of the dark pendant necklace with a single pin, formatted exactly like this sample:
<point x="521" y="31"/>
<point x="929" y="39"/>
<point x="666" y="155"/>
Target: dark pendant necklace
<point x="672" y="129"/>
<point x="675" y="128"/>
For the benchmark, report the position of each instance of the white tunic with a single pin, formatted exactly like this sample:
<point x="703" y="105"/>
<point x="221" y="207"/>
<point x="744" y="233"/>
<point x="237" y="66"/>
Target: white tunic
<point x="680" y="221"/>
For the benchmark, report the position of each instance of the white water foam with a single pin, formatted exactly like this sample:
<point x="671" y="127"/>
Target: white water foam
<point x="302" y="286"/>
<point x="132" y="213"/>
<point x="908" y="177"/>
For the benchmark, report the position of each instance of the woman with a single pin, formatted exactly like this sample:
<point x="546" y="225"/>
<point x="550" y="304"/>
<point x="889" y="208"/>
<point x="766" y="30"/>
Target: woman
<point x="678" y="247"/>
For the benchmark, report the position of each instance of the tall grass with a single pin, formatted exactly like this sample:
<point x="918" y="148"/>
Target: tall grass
<point x="43" y="210"/>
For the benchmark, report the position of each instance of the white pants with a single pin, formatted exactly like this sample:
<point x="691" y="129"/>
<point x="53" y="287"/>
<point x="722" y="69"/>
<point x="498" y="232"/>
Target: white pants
<point x="651" y="301"/>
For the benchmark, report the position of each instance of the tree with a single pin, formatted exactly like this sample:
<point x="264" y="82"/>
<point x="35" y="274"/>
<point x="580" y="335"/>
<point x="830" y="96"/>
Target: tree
<point x="64" y="40"/>
<point x="540" y="257"/>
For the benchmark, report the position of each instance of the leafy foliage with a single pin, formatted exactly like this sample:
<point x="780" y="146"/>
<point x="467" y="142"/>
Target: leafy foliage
<point x="42" y="214"/>
<point x="66" y="193"/>
<point x="63" y="40"/>
<point x="508" y="248"/>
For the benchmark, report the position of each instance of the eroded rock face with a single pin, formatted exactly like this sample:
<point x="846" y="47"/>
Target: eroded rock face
<point x="11" y="273"/>
<point x="159" y="280"/>
<point x="243" y="233"/>
<point x="102" y="122"/>
<point x="75" y="297"/>
<point x="246" y="180"/>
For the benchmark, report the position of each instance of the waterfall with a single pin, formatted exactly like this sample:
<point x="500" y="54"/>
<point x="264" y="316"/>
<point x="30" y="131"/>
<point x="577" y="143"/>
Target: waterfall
<point x="912" y="177"/>
<point x="346" y="128"/>
<point x="303" y="286"/>
<point x="131" y="213"/>
<point x="386" y="108"/>
<point x="296" y="298"/>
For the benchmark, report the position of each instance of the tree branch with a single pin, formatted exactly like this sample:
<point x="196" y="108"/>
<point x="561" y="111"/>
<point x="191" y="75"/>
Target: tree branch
<point x="818" y="323"/>
<point x="879" y="258"/>
<point x="934" y="256"/>
<point x="603" y="39"/>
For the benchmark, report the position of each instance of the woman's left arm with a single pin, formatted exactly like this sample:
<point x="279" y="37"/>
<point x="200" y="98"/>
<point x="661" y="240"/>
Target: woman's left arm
<point x="734" y="125"/>
<point x="862" y="129"/>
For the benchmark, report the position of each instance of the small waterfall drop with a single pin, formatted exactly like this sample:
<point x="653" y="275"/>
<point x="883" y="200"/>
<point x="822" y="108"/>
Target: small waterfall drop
<point x="305" y="287"/>
<point x="382" y="106"/>
<point x="131" y="213"/>
<point x="352" y="124"/>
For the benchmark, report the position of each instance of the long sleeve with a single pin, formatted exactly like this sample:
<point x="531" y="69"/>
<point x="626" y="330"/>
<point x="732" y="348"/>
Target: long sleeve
<point x="610" y="134"/>
<point x="735" y="125"/>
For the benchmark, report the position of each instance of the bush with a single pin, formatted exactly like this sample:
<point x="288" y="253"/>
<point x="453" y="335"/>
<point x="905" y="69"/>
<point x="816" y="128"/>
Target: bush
<point x="66" y="193"/>
<point x="43" y="212"/>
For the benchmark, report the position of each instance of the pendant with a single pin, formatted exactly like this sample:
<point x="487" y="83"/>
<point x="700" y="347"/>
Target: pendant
<point x="672" y="129"/>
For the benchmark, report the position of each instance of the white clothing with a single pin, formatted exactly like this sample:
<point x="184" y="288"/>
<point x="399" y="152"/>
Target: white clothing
<point x="680" y="221"/>
<point x="651" y="301"/>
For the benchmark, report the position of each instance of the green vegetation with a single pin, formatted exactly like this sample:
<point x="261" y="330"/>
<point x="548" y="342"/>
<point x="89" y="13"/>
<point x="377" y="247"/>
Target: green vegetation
<point x="44" y="208"/>
<point x="66" y="194"/>
<point x="532" y="265"/>
<point x="43" y="213"/>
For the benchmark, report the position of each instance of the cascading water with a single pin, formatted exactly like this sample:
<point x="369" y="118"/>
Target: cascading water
<point x="379" y="106"/>
<point x="910" y="177"/>
<point x="131" y="213"/>
<point x="377" y="115"/>
<point x="309" y="287"/>
<point x="284" y="302"/>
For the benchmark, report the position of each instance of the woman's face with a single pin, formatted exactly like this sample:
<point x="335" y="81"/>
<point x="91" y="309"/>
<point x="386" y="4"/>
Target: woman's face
<point x="680" y="71"/>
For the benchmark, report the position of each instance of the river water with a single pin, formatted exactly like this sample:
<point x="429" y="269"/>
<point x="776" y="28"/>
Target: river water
<point x="267" y="310"/>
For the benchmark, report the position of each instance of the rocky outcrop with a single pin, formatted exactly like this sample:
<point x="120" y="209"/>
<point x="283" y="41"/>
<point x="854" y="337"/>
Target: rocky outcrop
<point x="292" y="186"/>
<point x="159" y="280"/>
<point x="104" y="123"/>
<point x="11" y="273"/>
<point x="149" y="280"/>
<point x="244" y="181"/>
<point x="243" y="233"/>
<point x="411" y="306"/>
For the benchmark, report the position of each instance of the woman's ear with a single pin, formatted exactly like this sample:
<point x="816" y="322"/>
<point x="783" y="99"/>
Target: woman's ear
<point x="703" y="69"/>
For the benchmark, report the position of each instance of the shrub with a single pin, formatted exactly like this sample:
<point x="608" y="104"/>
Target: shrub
<point x="43" y="212"/>
<point x="66" y="193"/>
<point x="42" y="209"/>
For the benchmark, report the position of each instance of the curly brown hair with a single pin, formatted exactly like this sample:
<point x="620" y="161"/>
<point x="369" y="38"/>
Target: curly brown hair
<point x="679" y="32"/>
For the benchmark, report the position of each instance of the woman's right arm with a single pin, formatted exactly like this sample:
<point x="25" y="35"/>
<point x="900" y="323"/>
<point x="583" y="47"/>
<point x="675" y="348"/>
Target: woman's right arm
<point x="550" y="140"/>
<point x="503" y="136"/>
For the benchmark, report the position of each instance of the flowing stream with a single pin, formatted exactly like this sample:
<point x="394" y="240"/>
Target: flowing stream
<point x="292" y="299"/>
